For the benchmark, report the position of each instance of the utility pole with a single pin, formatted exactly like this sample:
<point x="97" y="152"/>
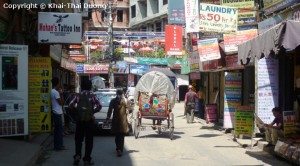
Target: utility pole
<point x="110" y="40"/>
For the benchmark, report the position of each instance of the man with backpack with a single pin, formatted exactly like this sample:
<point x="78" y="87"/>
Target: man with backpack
<point x="189" y="103"/>
<point x="85" y="104"/>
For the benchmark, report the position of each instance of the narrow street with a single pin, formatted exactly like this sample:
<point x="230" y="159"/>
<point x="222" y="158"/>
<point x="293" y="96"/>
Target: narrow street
<point x="193" y="144"/>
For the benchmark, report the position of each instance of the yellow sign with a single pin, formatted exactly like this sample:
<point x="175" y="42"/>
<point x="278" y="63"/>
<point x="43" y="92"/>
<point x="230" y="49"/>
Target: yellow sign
<point x="39" y="94"/>
<point x="243" y="122"/>
<point x="269" y="3"/>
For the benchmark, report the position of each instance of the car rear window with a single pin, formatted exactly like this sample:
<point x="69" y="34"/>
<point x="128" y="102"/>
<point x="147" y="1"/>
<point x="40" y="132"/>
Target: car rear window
<point x="105" y="98"/>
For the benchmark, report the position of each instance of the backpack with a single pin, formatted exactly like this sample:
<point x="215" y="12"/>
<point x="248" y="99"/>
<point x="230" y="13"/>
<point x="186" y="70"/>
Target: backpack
<point x="191" y="99"/>
<point x="84" y="109"/>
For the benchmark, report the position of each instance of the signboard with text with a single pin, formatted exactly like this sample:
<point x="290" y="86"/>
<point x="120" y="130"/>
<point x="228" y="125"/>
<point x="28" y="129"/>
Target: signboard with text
<point x="231" y="41"/>
<point x="216" y="18"/>
<point x="95" y="68"/>
<point x="173" y="40"/>
<point x="191" y="16"/>
<point x="243" y="122"/>
<point x="39" y="94"/>
<point x="14" y="90"/>
<point x="289" y="123"/>
<point x="211" y="113"/>
<point x="176" y="12"/>
<point x="59" y="27"/>
<point x="208" y="49"/>
<point x="194" y="62"/>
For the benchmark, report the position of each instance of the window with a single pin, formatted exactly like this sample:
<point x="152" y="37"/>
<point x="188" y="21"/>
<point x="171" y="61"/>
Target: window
<point x="120" y="15"/>
<point x="165" y="2"/>
<point x="133" y="11"/>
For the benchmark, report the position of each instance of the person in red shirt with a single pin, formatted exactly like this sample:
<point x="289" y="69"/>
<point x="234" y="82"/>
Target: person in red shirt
<point x="189" y="103"/>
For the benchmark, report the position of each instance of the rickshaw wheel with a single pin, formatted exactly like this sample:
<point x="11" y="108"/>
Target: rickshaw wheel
<point x="137" y="127"/>
<point x="171" y="126"/>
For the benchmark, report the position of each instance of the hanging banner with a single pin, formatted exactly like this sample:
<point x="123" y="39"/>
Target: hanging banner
<point x="243" y="122"/>
<point x="232" y="97"/>
<point x="208" y="49"/>
<point x="13" y="90"/>
<point x="40" y="75"/>
<point x="173" y="40"/>
<point x="194" y="62"/>
<point x="176" y="12"/>
<point x="216" y="18"/>
<point x="185" y="65"/>
<point x="267" y="94"/>
<point x="191" y="16"/>
<point x="59" y="27"/>
<point x="246" y="14"/>
<point x="231" y="41"/>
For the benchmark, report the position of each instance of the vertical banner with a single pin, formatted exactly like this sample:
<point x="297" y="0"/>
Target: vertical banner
<point x="232" y="96"/>
<point x="289" y="123"/>
<point x="173" y="40"/>
<point x="191" y="16"/>
<point x="13" y="90"/>
<point x="216" y="18"/>
<point x="208" y="49"/>
<point x="40" y="74"/>
<point x="185" y="65"/>
<point x="211" y="113"/>
<point x="243" y="122"/>
<point x="267" y="93"/>
<point x="194" y="62"/>
<point x="176" y="12"/>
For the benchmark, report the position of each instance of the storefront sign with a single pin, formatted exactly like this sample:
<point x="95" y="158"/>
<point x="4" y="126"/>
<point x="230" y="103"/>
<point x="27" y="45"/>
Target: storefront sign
<point x="139" y="69"/>
<point x="267" y="94"/>
<point x="59" y="27"/>
<point x="216" y="18"/>
<point x="243" y="122"/>
<point x="176" y="12"/>
<point x="185" y="65"/>
<point x="152" y="61"/>
<point x="194" y="62"/>
<point x="231" y="41"/>
<point x="191" y="16"/>
<point x="289" y="123"/>
<point x="195" y="76"/>
<point x="211" y="113"/>
<point x="232" y="97"/>
<point x="40" y="75"/>
<point x="78" y="57"/>
<point x="96" y="68"/>
<point x="246" y="13"/>
<point x="276" y="5"/>
<point x="14" y="90"/>
<point x="173" y="40"/>
<point x="247" y="27"/>
<point x="68" y="64"/>
<point x="79" y="68"/>
<point x="209" y="65"/>
<point x="120" y="70"/>
<point x="232" y="62"/>
<point x="208" y="49"/>
<point x="209" y="35"/>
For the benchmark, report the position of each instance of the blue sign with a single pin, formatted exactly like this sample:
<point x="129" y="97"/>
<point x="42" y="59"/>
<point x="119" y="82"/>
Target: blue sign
<point x="176" y="12"/>
<point x="280" y="5"/>
<point x="139" y="69"/>
<point x="79" y="68"/>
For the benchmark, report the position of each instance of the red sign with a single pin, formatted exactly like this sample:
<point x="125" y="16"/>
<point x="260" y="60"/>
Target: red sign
<point x="211" y="113"/>
<point x="96" y="68"/>
<point x="173" y="40"/>
<point x="231" y="41"/>
<point x="195" y="76"/>
<point x="232" y="62"/>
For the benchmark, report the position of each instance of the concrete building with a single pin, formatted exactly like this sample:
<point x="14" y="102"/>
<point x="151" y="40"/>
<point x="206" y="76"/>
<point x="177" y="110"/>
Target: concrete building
<point x="148" y="15"/>
<point x="99" y="20"/>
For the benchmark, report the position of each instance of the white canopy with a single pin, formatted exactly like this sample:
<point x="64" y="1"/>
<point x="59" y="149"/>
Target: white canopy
<point x="156" y="83"/>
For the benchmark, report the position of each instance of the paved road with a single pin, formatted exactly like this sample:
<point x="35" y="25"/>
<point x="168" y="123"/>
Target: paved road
<point x="193" y="144"/>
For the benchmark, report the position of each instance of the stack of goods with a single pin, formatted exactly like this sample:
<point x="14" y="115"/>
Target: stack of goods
<point x="289" y="149"/>
<point x="157" y="105"/>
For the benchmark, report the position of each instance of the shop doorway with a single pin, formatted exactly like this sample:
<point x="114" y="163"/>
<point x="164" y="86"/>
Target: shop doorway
<point x="182" y="91"/>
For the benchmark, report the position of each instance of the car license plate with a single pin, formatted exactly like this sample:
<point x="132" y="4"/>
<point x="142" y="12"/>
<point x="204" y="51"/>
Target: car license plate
<point x="106" y="126"/>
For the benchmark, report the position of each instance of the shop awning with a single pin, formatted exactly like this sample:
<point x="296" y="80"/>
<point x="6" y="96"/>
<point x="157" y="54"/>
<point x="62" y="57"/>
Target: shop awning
<point x="285" y="35"/>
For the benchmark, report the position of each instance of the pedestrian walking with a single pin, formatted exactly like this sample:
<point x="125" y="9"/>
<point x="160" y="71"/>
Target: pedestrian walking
<point x="201" y="102"/>
<point x="85" y="104"/>
<point x="120" y="127"/>
<point x="57" y="114"/>
<point x="189" y="103"/>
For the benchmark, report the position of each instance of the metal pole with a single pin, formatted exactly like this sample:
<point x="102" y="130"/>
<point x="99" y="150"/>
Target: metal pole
<point x="111" y="47"/>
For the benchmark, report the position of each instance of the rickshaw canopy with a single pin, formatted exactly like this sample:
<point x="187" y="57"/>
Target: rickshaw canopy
<point x="155" y="82"/>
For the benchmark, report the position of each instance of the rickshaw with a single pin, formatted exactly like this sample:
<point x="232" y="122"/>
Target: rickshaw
<point x="155" y="96"/>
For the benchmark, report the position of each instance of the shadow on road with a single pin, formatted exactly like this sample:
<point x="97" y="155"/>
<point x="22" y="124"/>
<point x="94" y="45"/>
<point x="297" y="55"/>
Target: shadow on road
<point x="163" y="135"/>
<point x="227" y="146"/>
<point x="214" y="127"/>
<point x="208" y="135"/>
<point x="267" y="158"/>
